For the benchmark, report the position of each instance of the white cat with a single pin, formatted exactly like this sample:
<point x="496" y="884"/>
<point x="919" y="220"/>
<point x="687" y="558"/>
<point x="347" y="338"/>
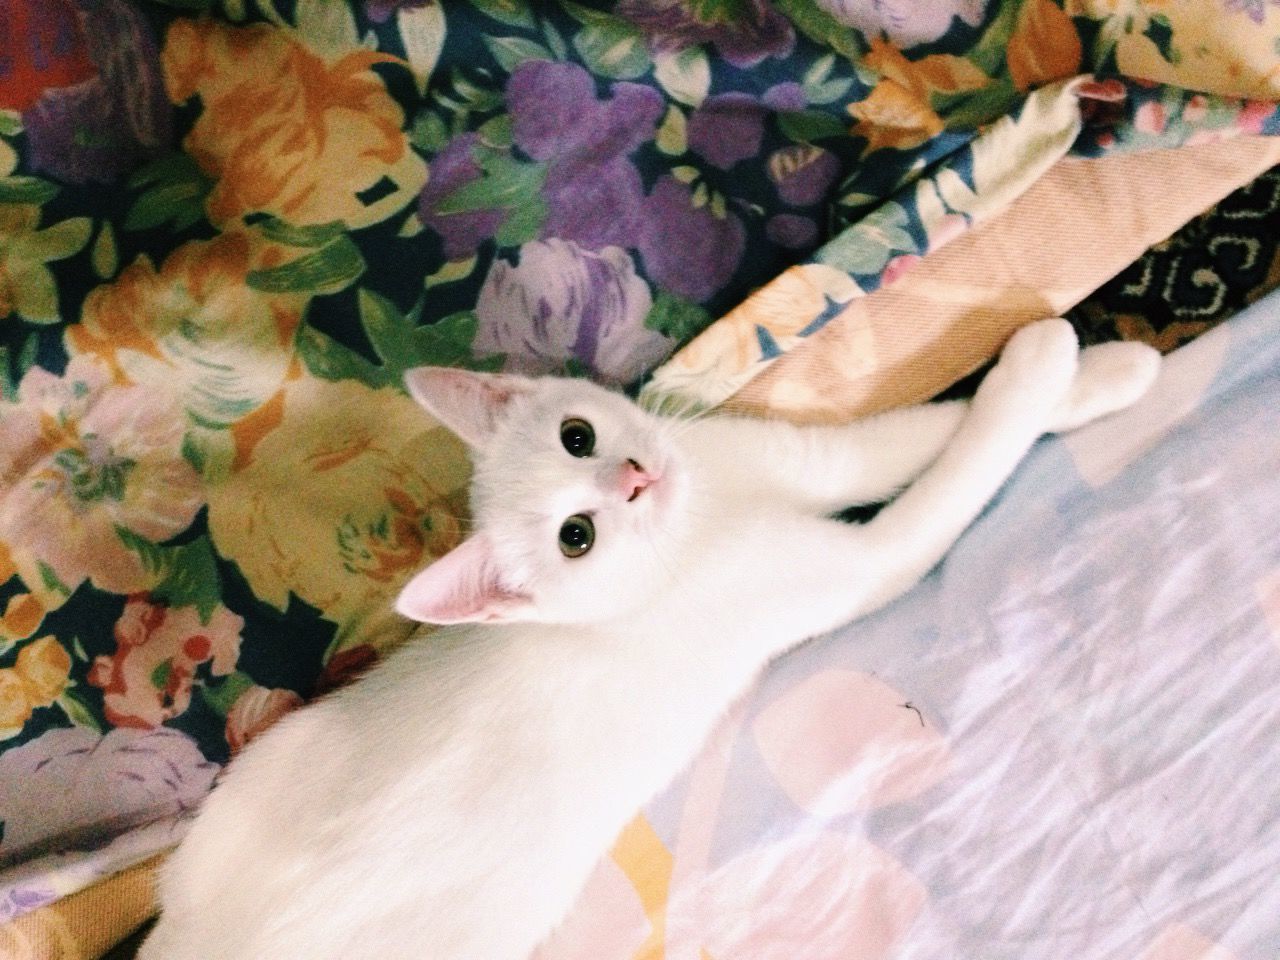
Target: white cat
<point x="627" y="578"/>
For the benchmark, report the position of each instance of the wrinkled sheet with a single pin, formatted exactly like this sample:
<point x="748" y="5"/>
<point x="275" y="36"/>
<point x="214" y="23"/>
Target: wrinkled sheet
<point x="1064" y="744"/>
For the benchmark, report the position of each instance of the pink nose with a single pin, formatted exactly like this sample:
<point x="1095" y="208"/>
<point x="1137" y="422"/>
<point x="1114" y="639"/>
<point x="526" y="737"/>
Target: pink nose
<point x="632" y="479"/>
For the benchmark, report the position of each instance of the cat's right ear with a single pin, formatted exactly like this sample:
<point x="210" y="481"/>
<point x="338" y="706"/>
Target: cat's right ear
<point x="470" y="404"/>
<point x="463" y="586"/>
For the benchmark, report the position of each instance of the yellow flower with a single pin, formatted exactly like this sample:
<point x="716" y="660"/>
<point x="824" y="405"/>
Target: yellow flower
<point x="26" y="285"/>
<point x="348" y="496"/>
<point x="286" y="132"/>
<point x="43" y="667"/>
<point x="195" y="324"/>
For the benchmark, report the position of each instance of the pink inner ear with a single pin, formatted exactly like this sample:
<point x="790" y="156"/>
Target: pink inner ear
<point x="467" y="403"/>
<point x="463" y="586"/>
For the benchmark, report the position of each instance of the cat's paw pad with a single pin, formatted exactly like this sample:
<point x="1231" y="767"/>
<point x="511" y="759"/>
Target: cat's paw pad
<point x="1040" y="357"/>
<point x="1110" y="377"/>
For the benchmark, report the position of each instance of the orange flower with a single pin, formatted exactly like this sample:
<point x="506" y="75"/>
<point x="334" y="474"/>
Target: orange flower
<point x="1044" y="46"/>
<point x="196" y="324"/>
<point x="893" y="116"/>
<point x="898" y="113"/>
<point x="286" y="132"/>
<point x="15" y="703"/>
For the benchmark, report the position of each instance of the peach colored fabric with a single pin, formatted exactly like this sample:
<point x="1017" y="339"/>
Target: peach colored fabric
<point x="1079" y="225"/>
<point x="86" y="924"/>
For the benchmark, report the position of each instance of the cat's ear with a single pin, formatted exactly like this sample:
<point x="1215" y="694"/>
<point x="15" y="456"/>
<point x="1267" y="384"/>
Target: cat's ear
<point x="463" y="586"/>
<point x="470" y="404"/>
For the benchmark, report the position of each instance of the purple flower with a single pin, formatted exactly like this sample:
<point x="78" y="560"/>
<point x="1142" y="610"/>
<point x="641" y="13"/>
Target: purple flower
<point x="99" y="129"/>
<point x="786" y="97"/>
<point x="905" y="22"/>
<point x="380" y="11"/>
<point x="103" y="783"/>
<point x="727" y="129"/>
<point x="792" y="231"/>
<point x="688" y="251"/>
<point x="803" y="173"/>
<point x="452" y="168"/>
<point x="743" y="39"/>
<point x="593" y="192"/>
<point x="561" y="301"/>
<point x="18" y="900"/>
<point x="1254" y="9"/>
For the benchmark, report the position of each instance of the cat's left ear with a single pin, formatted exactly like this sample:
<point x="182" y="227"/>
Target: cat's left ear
<point x="470" y="404"/>
<point x="463" y="586"/>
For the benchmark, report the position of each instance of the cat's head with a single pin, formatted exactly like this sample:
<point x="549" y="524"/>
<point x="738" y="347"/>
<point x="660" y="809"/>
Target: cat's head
<point x="576" y="500"/>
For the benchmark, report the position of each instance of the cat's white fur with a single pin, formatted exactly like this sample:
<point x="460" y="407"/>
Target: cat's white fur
<point x="450" y="805"/>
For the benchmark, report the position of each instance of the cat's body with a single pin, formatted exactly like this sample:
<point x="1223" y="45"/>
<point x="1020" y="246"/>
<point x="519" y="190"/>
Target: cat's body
<point x="450" y="805"/>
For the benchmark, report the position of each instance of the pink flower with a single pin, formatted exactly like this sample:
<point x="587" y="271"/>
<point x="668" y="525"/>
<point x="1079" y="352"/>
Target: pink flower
<point x="1195" y="109"/>
<point x="255" y="710"/>
<point x="1254" y="114"/>
<point x="148" y="679"/>
<point x="82" y="457"/>
<point x="1150" y="118"/>
<point x="896" y="267"/>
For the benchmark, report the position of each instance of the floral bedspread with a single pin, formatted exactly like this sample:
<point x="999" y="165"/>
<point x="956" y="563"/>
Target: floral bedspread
<point x="228" y="226"/>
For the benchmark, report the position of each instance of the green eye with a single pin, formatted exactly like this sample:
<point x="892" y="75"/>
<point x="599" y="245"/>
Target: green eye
<point x="576" y="535"/>
<point x="577" y="437"/>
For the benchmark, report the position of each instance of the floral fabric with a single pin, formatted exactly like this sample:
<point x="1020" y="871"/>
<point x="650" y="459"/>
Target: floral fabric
<point x="228" y="226"/>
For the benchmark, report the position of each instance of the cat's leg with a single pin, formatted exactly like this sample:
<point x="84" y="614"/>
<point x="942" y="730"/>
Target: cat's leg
<point x="827" y="468"/>
<point x="823" y="468"/>
<point x="819" y="574"/>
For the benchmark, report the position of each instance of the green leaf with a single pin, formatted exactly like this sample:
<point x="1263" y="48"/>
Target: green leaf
<point x="10" y="123"/>
<point x="422" y="32"/>
<point x="1160" y="32"/>
<point x="497" y="132"/>
<point x="222" y="695"/>
<point x="428" y="133"/>
<point x="523" y="224"/>
<point x="554" y="40"/>
<point x="672" y="138"/>
<point x="447" y="342"/>
<point x="191" y="578"/>
<point x="810" y="125"/>
<point x="818" y="25"/>
<point x="311" y="235"/>
<point x="77" y="711"/>
<point x="328" y="28"/>
<point x="476" y="98"/>
<point x="176" y="194"/>
<point x="331" y="268"/>
<point x="328" y="359"/>
<point x="104" y="257"/>
<point x="160" y="675"/>
<point x="50" y="579"/>
<point x="829" y="92"/>
<point x="389" y="333"/>
<point x="510" y="52"/>
<point x="151" y="555"/>
<point x="615" y="49"/>
<point x="27" y="190"/>
<point x="514" y="13"/>
<point x="450" y="272"/>
<point x="676" y="317"/>
<point x="686" y="76"/>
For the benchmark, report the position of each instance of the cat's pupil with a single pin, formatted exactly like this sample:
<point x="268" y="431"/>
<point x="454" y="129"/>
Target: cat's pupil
<point x="577" y="437"/>
<point x="576" y="535"/>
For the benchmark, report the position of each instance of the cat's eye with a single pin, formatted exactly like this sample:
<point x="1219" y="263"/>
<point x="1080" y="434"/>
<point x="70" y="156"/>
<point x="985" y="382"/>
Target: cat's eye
<point x="577" y="437"/>
<point x="576" y="535"/>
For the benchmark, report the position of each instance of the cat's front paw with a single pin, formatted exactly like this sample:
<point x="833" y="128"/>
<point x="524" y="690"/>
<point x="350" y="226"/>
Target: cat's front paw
<point x="1038" y="363"/>
<point x="1110" y="377"/>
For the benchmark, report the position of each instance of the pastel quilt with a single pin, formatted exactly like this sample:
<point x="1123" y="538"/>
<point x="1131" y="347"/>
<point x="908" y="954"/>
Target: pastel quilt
<point x="228" y="226"/>
<point x="1063" y="744"/>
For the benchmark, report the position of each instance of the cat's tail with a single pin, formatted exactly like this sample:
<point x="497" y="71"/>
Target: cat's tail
<point x="1109" y="378"/>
